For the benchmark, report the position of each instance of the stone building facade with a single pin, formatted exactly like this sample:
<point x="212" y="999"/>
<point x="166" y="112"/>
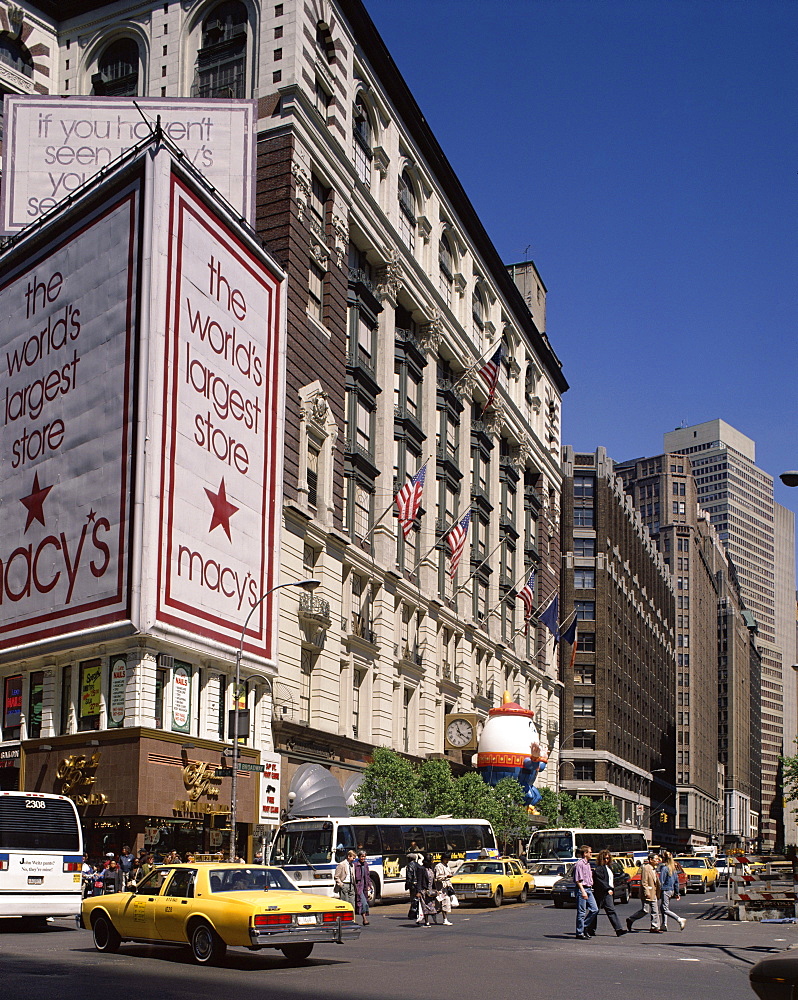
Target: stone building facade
<point x="396" y="301"/>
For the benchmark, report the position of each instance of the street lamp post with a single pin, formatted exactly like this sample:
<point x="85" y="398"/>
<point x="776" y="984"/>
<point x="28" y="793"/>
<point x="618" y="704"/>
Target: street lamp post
<point x="309" y="585"/>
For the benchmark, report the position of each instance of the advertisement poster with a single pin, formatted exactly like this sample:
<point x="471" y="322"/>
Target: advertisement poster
<point x="117" y="691"/>
<point x="269" y="811"/>
<point x="181" y="697"/>
<point x="66" y="355"/>
<point x="91" y="687"/>
<point x="222" y="450"/>
<point x="52" y="146"/>
<point x="12" y="702"/>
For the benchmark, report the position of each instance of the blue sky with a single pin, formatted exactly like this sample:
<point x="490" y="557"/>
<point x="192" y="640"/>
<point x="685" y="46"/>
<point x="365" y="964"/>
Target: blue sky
<point x="645" y="156"/>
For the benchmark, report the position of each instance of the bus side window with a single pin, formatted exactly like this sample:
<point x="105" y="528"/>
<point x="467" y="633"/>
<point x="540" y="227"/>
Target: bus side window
<point x="392" y="841"/>
<point x="455" y="840"/>
<point x="473" y="837"/>
<point x="368" y="837"/>
<point x="346" y="842"/>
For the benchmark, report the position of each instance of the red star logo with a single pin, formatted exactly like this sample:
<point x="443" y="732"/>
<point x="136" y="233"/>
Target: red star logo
<point x="34" y="502"/>
<point x="223" y="510"/>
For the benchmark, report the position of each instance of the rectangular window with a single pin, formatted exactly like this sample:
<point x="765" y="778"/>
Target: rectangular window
<point x="306" y="672"/>
<point x="161" y="680"/>
<point x="584" y="705"/>
<point x="586" y="641"/>
<point x="316" y="291"/>
<point x="583" y="517"/>
<point x="585" y="611"/>
<point x="221" y="716"/>
<point x="584" y="673"/>
<point x="35" y="703"/>
<point x="585" y="548"/>
<point x="313" y="475"/>
<point x="584" y="770"/>
<point x="12" y="707"/>
<point x="90" y="695"/>
<point x="66" y="699"/>
<point x="584" y="579"/>
<point x="361" y="521"/>
<point x="584" y="487"/>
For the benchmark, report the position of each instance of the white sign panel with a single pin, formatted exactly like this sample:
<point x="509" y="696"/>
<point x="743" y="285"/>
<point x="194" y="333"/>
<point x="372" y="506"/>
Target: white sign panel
<point x="117" y="696"/>
<point x="222" y="450"/>
<point x="66" y="349"/>
<point x="269" y="811"/>
<point x="181" y="698"/>
<point x="52" y="146"/>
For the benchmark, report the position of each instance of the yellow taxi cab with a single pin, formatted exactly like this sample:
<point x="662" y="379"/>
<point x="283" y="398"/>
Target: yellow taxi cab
<point x="491" y="880"/>
<point x="211" y="906"/>
<point x="702" y="875"/>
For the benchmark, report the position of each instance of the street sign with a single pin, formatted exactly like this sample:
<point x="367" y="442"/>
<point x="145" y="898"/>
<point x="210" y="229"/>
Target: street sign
<point x="224" y="772"/>
<point x="640" y="810"/>
<point x="250" y="767"/>
<point x="227" y="772"/>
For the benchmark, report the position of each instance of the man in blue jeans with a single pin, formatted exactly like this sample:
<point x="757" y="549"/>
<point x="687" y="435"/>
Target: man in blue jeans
<point x="586" y="908"/>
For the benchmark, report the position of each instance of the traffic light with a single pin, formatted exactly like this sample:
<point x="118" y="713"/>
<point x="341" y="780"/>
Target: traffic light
<point x="663" y="817"/>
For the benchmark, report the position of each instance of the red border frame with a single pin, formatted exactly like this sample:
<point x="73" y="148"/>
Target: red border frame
<point x="182" y="202"/>
<point x="77" y="613"/>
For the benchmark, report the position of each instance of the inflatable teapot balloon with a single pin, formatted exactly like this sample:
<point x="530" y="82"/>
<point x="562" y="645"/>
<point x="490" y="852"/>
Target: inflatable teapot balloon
<point x="509" y="747"/>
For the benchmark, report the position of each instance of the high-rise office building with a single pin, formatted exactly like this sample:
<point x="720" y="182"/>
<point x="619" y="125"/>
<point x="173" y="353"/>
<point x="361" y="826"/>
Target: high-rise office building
<point x="738" y="497"/>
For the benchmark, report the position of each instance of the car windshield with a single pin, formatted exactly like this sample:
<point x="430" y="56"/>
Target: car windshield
<point x="543" y="869"/>
<point x="691" y="862"/>
<point x="482" y="868"/>
<point x="249" y="880"/>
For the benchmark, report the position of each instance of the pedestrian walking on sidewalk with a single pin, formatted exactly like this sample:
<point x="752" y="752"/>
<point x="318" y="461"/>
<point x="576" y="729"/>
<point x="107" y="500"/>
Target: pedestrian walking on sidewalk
<point x="344" y="879"/>
<point x="362" y="885"/>
<point x="412" y="870"/>
<point x="443" y="876"/>
<point x="586" y="909"/>
<point x="649" y="901"/>
<point x="603" y="886"/>
<point x="427" y="894"/>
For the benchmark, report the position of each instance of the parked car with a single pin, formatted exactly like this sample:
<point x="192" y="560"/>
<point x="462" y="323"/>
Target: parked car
<point x="546" y="873"/>
<point x="492" y="880"/>
<point x="209" y="906"/>
<point x="563" y="891"/>
<point x="702" y="875"/>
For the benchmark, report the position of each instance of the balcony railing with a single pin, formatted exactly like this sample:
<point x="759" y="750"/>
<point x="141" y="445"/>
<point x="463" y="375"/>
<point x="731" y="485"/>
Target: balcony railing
<point x="315" y="609"/>
<point x="360" y="628"/>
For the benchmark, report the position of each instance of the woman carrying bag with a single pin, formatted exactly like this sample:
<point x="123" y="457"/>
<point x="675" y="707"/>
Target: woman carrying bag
<point x="443" y="884"/>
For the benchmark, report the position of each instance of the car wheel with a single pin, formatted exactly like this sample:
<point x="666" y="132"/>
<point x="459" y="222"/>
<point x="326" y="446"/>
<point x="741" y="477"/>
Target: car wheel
<point x="624" y="898"/>
<point x="106" y="936"/>
<point x="373" y="890"/>
<point x="296" y="952"/>
<point x="498" y="897"/>
<point x="524" y="894"/>
<point x="714" y="887"/>
<point x="703" y="886"/>
<point x="207" y="948"/>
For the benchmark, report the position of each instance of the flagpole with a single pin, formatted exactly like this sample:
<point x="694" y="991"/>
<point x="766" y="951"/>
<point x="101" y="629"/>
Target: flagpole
<point x="479" y="361"/>
<point x="496" y="607"/>
<point x="457" y="520"/>
<point x="474" y="572"/>
<point x="390" y="507"/>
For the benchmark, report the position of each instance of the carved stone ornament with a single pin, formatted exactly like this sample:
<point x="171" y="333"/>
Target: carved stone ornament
<point x="521" y="453"/>
<point x="302" y="179"/>
<point x="341" y="236"/>
<point x="389" y="276"/>
<point x="467" y="382"/>
<point x="318" y="250"/>
<point x="316" y="408"/>
<point x="16" y="16"/>
<point x="494" y="418"/>
<point x="431" y="334"/>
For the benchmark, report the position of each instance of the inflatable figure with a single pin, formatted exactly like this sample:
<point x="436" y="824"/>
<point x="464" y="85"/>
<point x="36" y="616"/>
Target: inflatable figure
<point x="509" y="747"/>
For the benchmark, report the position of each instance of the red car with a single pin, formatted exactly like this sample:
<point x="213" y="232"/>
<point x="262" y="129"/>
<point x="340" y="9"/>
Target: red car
<point x="634" y="881"/>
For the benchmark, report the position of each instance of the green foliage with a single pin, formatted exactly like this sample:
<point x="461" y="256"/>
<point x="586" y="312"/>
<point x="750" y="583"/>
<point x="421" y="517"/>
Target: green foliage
<point x="549" y="806"/>
<point x="564" y="810"/>
<point x="392" y="786"/>
<point x="510" y="819"/>
<point x="437" y="789"/>
<point x="389" y="787"/>
<point x="790" y="777"/>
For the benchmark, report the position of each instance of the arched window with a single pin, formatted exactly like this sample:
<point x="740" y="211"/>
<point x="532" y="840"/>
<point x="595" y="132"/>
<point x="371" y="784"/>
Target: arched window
<point x="445" y="269"/>
<point x="15" y="55"/>
<point x="118" y="70"/>
<point x="222" y="57"/>
<point x="407" y="211"/>
<point x="478" y="311"/>
<point x="361" y="127"/>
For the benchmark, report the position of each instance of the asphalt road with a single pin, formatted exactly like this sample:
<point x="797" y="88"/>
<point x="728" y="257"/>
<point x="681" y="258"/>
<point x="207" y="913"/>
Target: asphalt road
<point x="515" y="951"/>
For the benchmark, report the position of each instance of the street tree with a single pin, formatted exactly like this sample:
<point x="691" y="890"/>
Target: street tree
<point x="389" y="787"/>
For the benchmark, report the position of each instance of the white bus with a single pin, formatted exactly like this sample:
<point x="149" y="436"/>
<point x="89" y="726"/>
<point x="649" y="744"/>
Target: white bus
<point x="309" y="849"/>
<point x="562" y="844"/>
<point x="41" y="856"/>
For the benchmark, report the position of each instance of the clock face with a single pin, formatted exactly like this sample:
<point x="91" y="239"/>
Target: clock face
<point x="459" y="732"/>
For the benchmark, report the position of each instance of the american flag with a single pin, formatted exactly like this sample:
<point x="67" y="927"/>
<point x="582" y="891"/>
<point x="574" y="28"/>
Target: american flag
<point x="456" y="540"/>
<point x="490" y="374"/>
<point x="527" y="595"/>
<point x="408" y="500"/>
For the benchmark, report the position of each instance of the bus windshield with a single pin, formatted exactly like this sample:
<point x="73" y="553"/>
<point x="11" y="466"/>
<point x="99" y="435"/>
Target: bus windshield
<point x="565" y="843"/>
<point x="38" y="824"/>
<point x="551" y="845"/>
<point x="307" y="843"/>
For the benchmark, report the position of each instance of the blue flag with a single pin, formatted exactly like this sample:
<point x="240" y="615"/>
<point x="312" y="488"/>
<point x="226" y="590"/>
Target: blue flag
<point x="550" y="616"/>
<point x="570" y="633"/>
